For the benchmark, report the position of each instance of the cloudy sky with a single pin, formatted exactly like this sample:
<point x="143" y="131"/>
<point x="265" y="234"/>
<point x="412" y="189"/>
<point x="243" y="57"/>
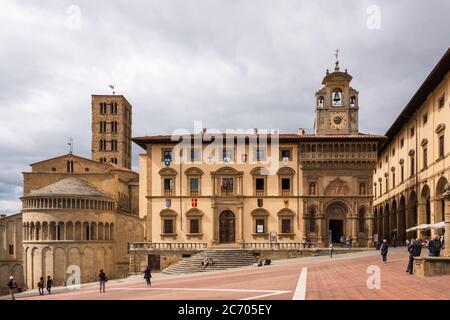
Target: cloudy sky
<point x="229" y="64"/>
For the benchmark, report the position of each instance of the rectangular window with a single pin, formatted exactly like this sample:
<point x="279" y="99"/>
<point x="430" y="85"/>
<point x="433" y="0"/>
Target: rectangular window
<point x="286" y="185"/>
<point x="168" y="226"/>
<point x="425" y="158"/>
<point x="193" y="186"/>
<point x="402" y="142"/>
<point x="11" y="249"/>
<point x="226" y="186"/>
<point x="194" y="226"/>
<point x="285" y="153"/>
<point x="393" y="179"/>
<point x="441" y="146"/>
<point x="425" y="118"/>
<point x="194" y="155"/>
<point x="402" y="174"/>
<point x="168" y="186"/>
<point x="412" y="166"/>
<point x="70" y="166"/>
<point x="260" y="226"/>
<point x="285" y="225"/>
<point x="259" y="182"/>
<point x="441" y="102"/>
<point x="260" y="154"/>
<point x="167" y="155"/>
<point x="412" y="132"/>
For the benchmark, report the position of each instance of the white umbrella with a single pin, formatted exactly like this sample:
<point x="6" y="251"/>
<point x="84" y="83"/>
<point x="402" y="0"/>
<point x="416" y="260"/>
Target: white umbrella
<point x="419" y="227"/>
<point x="439" y="225"/>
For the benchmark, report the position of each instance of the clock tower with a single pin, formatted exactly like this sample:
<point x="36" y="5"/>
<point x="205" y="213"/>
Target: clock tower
<point x="336" y="104"/>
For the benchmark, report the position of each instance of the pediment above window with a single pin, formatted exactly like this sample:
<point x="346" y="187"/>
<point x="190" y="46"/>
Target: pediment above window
<point x="193" y="171"/>
<point x="167" y="172"/>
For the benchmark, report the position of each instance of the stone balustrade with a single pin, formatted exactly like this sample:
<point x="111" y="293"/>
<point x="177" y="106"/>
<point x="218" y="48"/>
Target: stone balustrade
<point x="167" y="246"/>
<point x="277" y="245"/>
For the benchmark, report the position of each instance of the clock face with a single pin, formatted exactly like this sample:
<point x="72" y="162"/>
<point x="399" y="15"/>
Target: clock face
<point x="338" y="120"/>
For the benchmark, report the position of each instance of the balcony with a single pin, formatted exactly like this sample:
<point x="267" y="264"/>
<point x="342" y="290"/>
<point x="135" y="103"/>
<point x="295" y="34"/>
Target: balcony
<point x="260" y="193"/>
<point x="168" y="193"/>
<point x="286" y="193"/>
<point x="226" y="192"/>
<point x="193" y="193"/>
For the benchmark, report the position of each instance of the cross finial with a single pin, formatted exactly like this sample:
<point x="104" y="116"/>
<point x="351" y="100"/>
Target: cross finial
<point x="336" y="68"/>
<point x="70" y="144"/>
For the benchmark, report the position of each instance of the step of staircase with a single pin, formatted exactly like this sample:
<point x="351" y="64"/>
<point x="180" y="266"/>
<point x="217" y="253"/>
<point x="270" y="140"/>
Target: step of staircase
<point x="223" y="259"/>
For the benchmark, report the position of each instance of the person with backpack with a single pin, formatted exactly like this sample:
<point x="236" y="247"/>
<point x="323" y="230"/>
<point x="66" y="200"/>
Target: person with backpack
<point x="384" y="250"/>
<point x="40" y="286"/>
<point x="12" y="286"/>
<point x="434" y="247"/>
<point x="103" y="279"/>
<point x="49" y="284"/>
<point x="148" y="276"/>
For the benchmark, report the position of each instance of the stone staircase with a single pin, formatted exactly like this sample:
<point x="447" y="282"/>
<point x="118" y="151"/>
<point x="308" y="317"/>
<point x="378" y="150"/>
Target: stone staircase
<point x="223" y="259"/>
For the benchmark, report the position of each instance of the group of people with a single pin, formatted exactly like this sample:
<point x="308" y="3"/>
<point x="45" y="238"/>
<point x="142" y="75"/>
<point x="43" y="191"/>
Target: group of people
<point x="415" y="246"/>
<point x="347" y="241"/>
<point x="207" y="261"/>
<point x="265" y="262"/>
<point x="47" y="284"/>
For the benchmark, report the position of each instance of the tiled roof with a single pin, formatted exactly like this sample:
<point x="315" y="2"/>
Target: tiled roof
<point x="69" y="187"/>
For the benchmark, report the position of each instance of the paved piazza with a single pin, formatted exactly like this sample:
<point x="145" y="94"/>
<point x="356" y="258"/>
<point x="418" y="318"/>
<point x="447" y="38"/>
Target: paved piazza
<point x="343" y="277"/>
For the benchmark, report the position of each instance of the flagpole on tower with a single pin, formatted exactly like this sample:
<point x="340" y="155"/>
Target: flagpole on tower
<point x="112" y="88"/>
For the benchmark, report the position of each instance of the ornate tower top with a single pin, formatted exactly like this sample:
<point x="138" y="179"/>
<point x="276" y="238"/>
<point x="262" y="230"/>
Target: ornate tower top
<point x="336" y="103"/>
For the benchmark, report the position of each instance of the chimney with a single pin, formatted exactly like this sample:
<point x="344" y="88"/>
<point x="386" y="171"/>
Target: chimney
<point x="301" y="131"/>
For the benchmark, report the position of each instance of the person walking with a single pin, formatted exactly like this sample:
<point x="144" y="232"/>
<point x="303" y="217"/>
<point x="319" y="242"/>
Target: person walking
<point x="434" y="247"/>
<point x="394" y="240"/>
<point x="12" y="286"/>
<point x="384" y="250"/>
<point x="148" y="276"/>
<point x="330" y="250"/>
<point x="415" y="248"/>
<point x="49" y="284"/>
<point x="103" y="279"/>
<point x="41" y="286"/>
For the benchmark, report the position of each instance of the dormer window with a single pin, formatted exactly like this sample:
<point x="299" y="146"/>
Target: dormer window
<point x="336" y="98"/>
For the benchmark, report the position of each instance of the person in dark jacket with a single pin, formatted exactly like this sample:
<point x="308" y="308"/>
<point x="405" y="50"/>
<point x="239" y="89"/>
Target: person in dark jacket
<point x="148" y="276"/>
<point x="384" y="250"/>
<point x="415" y="248"/>
<point x="102" y="278"/>
<point x="12" y="286"/>
<point x="41" y="286"/>
<point x="434" y="247"/>
<point x="49" y="284"/>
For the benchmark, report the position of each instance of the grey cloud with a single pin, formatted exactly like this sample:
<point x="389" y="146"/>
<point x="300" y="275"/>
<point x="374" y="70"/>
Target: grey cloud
<point x="238" y="64"/>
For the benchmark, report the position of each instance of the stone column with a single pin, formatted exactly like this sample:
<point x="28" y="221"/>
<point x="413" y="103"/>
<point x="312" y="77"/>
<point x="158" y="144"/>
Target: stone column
<point x="421" y="217"/>
<point x="447" y="220"/>
<point x="240" y="225"/>
<point x="320" y="230"/>
<point x="305" y="218"/>
<point x="370" y="222"/>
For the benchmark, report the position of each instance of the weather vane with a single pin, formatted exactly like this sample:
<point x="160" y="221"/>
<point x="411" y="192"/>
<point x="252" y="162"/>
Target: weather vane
<point x="70" y="144"/>
<point x="337" y="54"/>
<point x="112" y="88"/>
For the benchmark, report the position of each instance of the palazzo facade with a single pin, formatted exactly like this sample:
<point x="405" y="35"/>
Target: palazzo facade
<point x="413" y="167"/>
<point x="237" y="189"/>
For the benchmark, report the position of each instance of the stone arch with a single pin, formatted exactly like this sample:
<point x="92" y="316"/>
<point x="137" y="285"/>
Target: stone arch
<point x="59" y="266"/>
<point x="78" y="231"/>
<point x="107" y="232"/>
<point x="401" y="219"/>
<point x="36" y="256"/>
<point x="393" y="218"/>
<point x="100" y="259"/>
<point x="47" y="262"/>
<point x="111" y="231"/>
<point x="101" y="231"/>
<point x="362" y="216"/>
<point x="439" y="207"/>
<point x="425" y="199"/>
<point x="412" y="216"/>
<point x="74" y="257"/>
<point x="386" y="229"/>
<point x="337" y="208"/>
<point x="88" y="272"/>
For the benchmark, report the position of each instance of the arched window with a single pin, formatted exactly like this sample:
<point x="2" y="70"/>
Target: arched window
<point x="352" y="101"/>
<point x="320" y="101"/>
<point x="336" y="98"/>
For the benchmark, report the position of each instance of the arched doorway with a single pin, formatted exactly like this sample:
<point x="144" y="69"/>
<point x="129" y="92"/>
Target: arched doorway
<point x="402" y="219"/>
<point x="440" y="201"/>
<point x="227" y="233"/>
<point x="336" y="213"/>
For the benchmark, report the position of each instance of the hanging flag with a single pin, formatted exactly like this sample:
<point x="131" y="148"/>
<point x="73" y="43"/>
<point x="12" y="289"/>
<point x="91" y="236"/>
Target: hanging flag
<point x="194" y="203"/>
<point x="168" y="202"/>
<point x="259" y="202"/>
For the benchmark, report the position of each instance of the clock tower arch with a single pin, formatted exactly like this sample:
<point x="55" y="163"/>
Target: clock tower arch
<point x="336" y="104"/>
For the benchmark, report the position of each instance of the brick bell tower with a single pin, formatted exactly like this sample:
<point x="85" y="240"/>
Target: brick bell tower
<point x="111" y="129"/>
